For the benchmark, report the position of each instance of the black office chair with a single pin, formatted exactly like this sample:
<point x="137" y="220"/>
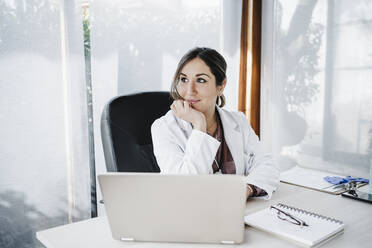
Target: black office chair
<point x="126" y="131"/>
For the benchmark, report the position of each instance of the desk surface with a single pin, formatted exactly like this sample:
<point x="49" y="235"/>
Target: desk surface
<point x="356" y="215"/>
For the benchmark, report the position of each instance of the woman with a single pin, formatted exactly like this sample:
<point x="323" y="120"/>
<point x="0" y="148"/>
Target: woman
<point x="198" y="137"/>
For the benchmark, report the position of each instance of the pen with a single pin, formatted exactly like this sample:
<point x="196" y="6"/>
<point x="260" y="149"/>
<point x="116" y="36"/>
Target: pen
<point x="340" y="186"/>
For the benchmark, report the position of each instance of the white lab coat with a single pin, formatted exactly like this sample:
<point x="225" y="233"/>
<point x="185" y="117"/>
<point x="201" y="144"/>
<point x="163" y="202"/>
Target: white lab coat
<point x="180" y="149"/>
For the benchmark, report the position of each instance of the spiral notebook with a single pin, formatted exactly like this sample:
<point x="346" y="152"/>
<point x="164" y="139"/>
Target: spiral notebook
<point x="319" y="230"/>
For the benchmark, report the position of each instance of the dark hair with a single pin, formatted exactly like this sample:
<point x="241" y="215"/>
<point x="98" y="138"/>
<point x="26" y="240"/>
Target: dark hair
<point x="214" y="61"/>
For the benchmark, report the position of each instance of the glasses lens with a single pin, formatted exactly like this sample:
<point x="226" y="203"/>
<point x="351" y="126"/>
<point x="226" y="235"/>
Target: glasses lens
<point x="285" y="217"/>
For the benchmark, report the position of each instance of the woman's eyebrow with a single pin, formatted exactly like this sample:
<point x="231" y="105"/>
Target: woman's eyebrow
<point x="201" y="74"/>
<point x="197" y="75"/>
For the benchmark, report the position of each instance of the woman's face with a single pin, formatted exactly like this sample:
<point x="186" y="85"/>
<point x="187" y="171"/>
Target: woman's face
<point x="197" y="85"/>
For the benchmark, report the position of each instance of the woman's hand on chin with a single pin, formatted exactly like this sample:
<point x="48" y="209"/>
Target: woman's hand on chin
<point x="184" y="111"/>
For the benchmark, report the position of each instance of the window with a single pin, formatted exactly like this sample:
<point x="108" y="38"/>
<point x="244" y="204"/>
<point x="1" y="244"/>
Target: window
<point x="136" y="46"/>
<point x="316" y="90"/>
<point x="44" y="170"/>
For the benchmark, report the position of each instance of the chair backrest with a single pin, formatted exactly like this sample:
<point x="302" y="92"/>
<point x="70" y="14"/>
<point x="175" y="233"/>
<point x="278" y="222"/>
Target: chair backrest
<point x="126" y="131"/>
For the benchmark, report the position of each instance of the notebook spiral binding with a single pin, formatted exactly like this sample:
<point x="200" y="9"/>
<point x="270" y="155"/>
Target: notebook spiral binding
<point x="309" y="213"/>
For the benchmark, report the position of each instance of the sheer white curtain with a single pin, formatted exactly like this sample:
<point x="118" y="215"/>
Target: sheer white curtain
<point x="316" y="84"/>
<point x="44" y="170"/>
<point x="136" y="46"/>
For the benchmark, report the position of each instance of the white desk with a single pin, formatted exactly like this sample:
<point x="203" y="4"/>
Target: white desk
<point x="356" y="215"/>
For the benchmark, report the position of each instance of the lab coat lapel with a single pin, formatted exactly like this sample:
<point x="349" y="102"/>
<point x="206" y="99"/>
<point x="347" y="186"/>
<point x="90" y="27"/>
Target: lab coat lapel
<point x="234" y="139"/>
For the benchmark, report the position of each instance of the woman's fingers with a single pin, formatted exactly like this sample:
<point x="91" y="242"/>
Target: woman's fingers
<point x="186" y="106"/>
<point x="178" y="106"/>
<point x="183" y="110"/>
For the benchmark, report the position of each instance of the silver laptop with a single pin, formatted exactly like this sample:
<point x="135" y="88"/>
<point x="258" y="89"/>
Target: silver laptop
<point x="175" y="208"/>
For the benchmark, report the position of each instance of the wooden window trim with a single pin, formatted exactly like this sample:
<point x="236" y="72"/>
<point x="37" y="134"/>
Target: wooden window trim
<point x="250" y="62"/>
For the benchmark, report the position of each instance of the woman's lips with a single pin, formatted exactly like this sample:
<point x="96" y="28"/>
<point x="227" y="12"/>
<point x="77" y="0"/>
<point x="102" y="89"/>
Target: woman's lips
<point x="192" y="101"/>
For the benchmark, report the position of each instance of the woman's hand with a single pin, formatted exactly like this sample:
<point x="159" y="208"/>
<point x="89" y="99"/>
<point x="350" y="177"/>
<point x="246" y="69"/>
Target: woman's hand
<point x="249" y="191"/>
<point x="184" y="111"/>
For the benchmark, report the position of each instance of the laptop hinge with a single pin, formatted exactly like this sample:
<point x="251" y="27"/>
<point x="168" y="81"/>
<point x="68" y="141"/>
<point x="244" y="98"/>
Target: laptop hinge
<point x="127" y="239"/>
<point x="227" y="242"/>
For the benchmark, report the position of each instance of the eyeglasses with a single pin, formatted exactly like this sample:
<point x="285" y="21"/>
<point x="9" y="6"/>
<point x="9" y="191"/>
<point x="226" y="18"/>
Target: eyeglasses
<point x="288" y="217"/>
